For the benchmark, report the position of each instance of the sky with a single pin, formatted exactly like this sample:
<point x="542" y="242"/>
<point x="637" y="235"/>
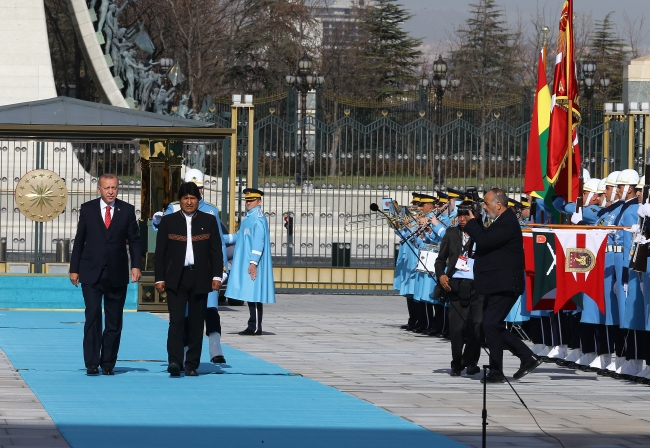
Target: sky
<point x="434" y="19"/>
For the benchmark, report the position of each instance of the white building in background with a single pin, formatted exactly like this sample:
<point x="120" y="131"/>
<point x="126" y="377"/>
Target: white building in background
<point x="335" y="19"/>
<point x="25" y="64"/>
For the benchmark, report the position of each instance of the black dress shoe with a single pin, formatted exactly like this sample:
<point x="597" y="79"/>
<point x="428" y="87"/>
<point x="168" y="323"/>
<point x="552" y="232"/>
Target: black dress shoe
<point x="107" y="371"/>
<point x="455" y="372"/>
<point x="494" y="377"/>
<point x="527" y="366"/>
<point x="191" y="372"/>
<point x="247" y="332"/>
<point x="472" y="370"/>
<point x="404" y="327"/>
<point x="218" y="360"/>
<point x="258" y="333"/>
<point x="92" y="371"/>
<point x="563" y="363"/>
<point x="174" y="370"/>
<point x="418" y="330"/>
<point x="407" y="327"/>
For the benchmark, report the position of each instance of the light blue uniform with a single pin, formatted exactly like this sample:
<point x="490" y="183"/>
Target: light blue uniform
<point x="205" y="207"/>
<point x="630" y="304"/>
<point x="407" y="260"/>
<point x="252" y="246"/>
<point x="424" y="283"/>
<point x="590" y="312"/>
<point x="589" y="213"/>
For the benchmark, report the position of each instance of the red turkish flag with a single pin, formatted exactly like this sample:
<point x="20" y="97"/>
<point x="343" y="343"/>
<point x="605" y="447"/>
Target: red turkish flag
<point x="580" y="265"/>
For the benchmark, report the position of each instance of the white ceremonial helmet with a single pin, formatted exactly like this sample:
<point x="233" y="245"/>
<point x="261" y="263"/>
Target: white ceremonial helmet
<point x="195" y="176"/>
<point x="611" y="178"/>
<point x="592" y="187"/>
<point x="610" y="181"/>
<point x="585" y="175"/>
<point x="641" y="183"/>
<point x="627" y="177"/>
<point x="601" y="186"/>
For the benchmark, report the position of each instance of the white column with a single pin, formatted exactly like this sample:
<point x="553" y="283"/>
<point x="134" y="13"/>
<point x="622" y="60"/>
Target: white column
<point x="25" y="63"/>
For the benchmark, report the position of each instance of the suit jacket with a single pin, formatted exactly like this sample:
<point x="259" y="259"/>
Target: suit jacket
<point x="171" y="245"/>
<point x="499" y="257"/>
<point x="451" y="247"/>
<point x="96" y="247"/>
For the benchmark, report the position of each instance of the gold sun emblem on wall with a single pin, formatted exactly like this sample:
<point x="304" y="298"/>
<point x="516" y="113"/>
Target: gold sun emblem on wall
<point x="41" y="195"/>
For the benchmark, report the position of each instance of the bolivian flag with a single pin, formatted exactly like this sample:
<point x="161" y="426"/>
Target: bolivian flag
<point x="535" y="182"/>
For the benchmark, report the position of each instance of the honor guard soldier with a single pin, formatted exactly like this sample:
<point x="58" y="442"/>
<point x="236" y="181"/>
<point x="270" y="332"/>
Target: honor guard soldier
<point x="407" y="259"/>
<point x="628" y="286"/>
<point x="251" y="276"/>
<point x="591" y="199"/>
<point x="447" y="213"/>
<point x="212" y="318"/>
<point x="644" y="213"/>
<point x="424" y="282"/>
<point x="607" y="325"/>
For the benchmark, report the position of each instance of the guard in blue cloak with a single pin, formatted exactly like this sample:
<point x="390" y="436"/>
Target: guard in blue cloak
<point x="628" y="285"/>
<point x="448" y="218"/>
<point x="251" y="275"/>
<point x="424" y="282"/>
<point x="212" y="318"/>
<point x="403" y="281"/>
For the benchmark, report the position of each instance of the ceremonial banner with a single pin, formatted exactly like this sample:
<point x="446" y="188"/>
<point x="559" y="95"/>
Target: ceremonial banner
<point x="543" y="246"/>
<point x="565" y="96"/>
<point x="536" y="159"/>
<point x="580" y="265"/>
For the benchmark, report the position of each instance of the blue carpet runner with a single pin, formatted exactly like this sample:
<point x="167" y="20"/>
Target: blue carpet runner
<point x="245" y="403"/>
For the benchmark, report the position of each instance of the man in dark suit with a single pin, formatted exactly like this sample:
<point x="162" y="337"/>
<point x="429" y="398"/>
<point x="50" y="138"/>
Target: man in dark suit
<point x="188" y="265"/>
<point x="100" y="263"/>
<point x="454" y="270"/>
<point x="499" y="276"/>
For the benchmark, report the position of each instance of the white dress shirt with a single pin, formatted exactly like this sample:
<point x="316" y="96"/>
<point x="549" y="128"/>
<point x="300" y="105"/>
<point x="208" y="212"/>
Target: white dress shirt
<point x="189" y="250"/>
<point x="103" y="206"/>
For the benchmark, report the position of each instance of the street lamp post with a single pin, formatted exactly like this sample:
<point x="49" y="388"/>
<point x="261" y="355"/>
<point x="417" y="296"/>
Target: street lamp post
<point x="304" y="81"/>
<point x="440" y="85"/>
<point x="588" y="83"/>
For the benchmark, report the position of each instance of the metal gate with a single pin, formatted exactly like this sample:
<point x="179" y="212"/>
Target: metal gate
<point x="324" y="192"/>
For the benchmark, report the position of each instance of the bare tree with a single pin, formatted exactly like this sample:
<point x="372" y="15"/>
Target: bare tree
<point x="634" y="32"/>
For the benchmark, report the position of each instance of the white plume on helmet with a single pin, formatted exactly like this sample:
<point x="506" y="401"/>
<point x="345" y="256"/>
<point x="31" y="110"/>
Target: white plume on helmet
<point x="585" y="175"/>
<point x="195" y="176"/>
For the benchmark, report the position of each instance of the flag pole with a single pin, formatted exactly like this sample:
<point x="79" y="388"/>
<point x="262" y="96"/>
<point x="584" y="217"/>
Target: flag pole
<point x="568" y="60"/>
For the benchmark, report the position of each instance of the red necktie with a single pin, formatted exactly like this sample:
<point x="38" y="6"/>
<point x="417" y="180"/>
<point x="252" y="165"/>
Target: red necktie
<point x="107" y="218"/>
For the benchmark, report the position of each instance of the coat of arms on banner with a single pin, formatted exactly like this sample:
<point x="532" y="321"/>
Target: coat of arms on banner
<point x="579" y="260"/>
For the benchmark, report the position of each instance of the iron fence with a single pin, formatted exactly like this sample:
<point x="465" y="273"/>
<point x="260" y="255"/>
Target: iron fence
<point x="326" y="190"/>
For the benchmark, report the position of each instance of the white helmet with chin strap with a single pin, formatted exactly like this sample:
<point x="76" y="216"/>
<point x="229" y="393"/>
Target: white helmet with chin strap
<point x="610" y="181"/>
<point x="592" y="187"/>
<point x="601" y="190"/>
<point x="627" y="177"/>
<point x="641" y="183"/>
